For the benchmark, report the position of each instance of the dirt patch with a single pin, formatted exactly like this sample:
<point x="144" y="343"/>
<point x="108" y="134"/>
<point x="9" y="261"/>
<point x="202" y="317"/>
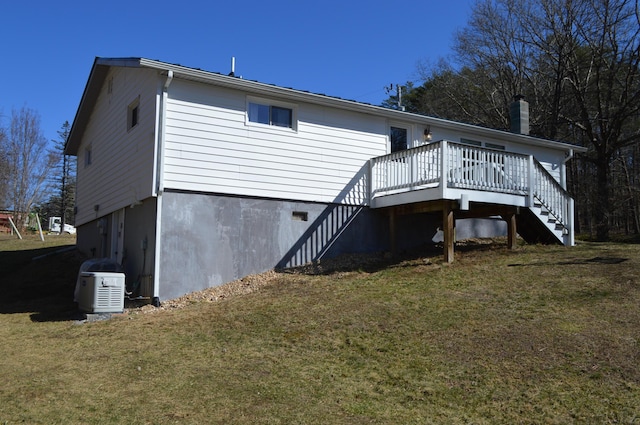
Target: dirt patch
<point x="366" y="263"/>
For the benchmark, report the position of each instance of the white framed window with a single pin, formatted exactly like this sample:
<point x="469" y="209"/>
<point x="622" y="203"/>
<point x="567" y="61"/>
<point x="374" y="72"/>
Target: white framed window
<point x="470" y="142"/>
<point x="485" y="144"/>
<point x="133" y="114"/>
<point x="271" y="113"/>
<point x="495" y="146"/>
<point x="87" y="156"/>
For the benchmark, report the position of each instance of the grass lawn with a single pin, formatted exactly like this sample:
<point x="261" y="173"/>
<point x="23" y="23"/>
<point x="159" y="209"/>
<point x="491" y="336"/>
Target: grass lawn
<point x="539" y="335"/>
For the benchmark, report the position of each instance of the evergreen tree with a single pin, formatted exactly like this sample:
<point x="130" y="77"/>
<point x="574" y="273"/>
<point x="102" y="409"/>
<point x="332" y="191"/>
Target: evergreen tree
<point x="64" y="179"/>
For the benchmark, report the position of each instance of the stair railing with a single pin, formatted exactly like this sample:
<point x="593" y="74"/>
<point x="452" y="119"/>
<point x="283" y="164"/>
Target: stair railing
<point x="551" y="195"/>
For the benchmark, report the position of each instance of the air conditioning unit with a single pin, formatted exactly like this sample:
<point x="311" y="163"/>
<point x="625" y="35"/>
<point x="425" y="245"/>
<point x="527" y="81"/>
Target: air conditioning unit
<point x="100" y="292"/>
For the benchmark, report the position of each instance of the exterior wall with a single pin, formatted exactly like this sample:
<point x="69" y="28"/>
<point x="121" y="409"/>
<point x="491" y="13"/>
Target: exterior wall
<point x="211" y="147"/>
<point x="551" y="159"/>
<point x="122" y="161"/>
<point x="140" y="245"/>
<point x="232" y="187"/>
<point x="95" y="240"/>
<point x="208" y="240"/>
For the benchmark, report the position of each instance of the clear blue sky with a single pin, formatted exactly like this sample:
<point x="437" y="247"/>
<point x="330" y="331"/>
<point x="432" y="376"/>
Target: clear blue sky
<point x="346" y="48"/>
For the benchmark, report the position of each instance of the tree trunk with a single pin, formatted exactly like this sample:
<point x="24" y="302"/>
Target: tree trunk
<point x="601" y="210"/>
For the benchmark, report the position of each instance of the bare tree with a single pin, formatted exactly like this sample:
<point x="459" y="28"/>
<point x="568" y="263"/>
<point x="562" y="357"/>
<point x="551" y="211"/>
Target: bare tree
<point x="576" y="61"/>
<point x="4" y="169"/>
<point x="29" y="162"/>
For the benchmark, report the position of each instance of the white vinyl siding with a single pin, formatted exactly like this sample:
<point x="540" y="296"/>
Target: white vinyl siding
<point x="209" y="147"/>
<point x="121" y="169"/>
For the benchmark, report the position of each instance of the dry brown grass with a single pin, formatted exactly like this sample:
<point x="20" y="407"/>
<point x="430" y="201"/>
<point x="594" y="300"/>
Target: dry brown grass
<point x="539" y="335"/>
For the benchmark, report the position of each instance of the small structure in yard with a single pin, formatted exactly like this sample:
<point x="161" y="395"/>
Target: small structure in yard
<point x="55" y="226"/>
<point x="192" y="179"/>
<point x="5" y="224"/>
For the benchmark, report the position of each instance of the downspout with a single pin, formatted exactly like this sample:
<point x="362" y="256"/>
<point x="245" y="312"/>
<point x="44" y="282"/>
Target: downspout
<point x="162" y="119"/>
<point x="563" y="174"/>
<point x="570" y="241"/>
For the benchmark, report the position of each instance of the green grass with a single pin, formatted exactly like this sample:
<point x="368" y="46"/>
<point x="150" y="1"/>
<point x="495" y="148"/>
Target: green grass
<point x="537" y="335"/>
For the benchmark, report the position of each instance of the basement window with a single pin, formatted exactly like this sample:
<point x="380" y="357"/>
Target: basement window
<point x="300" y="216"/>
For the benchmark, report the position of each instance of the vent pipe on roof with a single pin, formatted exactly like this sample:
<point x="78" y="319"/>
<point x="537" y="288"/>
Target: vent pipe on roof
<point x="233" y="67"/>
<point x="519" y="114"/>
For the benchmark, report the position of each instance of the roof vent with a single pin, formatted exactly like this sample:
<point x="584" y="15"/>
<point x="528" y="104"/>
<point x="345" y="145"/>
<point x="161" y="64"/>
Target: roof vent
<point x="519" y="113"/>
<point x="233" y="67"/>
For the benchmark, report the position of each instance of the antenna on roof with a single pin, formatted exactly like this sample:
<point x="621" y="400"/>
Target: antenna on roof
<point x="233" y="66"/>
<point x="398" y="94"/>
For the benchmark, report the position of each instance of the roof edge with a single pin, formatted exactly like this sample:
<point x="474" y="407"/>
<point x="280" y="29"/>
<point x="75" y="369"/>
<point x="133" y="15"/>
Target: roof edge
<point x="101" y="65"/>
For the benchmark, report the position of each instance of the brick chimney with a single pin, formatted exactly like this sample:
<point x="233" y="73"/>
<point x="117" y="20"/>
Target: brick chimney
<point x="519" y="113"/>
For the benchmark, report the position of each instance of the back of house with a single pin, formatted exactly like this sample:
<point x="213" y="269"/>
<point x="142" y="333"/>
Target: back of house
<point x="191" y="179"/>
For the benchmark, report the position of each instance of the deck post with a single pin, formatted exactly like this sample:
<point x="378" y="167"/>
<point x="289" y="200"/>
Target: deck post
<point x="531" y="182"/>
<point x="511" y="230"/>
<point x="392" y="232"/>
<point x="444" y="163"/>
<point x="448" y="224"/>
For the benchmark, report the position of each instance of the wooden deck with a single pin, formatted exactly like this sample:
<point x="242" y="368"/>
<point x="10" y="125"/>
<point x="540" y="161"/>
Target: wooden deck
<point x="464" y="181"/>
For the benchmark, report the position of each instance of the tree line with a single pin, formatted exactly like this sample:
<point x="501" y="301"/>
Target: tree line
<point x="577" y="63"/>
<point x="35" y="175"/>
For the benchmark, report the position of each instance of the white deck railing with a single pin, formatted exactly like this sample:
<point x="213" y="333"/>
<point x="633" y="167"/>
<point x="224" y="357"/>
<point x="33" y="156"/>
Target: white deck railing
<point x="456" y="165"/>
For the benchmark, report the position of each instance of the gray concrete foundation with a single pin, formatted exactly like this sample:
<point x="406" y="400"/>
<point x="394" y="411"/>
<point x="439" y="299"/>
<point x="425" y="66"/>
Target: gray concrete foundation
<point x="208" y="240"/>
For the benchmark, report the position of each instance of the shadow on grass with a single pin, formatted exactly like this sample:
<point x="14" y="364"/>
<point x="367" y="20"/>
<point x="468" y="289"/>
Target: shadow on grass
<point x="40" y="282"/>
<point x="575" y="262"/>
<point x="373" y="262"/>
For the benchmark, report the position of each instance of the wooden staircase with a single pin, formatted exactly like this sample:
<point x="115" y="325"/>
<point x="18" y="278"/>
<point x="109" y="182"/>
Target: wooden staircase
<point x="535" y="225"/>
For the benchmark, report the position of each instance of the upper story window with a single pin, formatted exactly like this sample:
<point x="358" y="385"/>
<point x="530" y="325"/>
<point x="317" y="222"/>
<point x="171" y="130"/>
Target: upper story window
<point x="264" y="112"/>
<point x="133" y="114"/>
<point x="87" y="156"/>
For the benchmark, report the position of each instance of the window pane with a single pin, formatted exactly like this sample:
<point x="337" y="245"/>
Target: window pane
<point x="398" y="139"/>
<point x="134" y="117"/>
<point x="282" y="117"/>
<point x="259" y="113"/>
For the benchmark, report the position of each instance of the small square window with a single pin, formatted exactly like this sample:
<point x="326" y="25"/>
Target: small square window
<point x="133" y="114"/>
<point x="281" y="117"/>
<point x="300" y="216"/>
<point x="259" y="113"/>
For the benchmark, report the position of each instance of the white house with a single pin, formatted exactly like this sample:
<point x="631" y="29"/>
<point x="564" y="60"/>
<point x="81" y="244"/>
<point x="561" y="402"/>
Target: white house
<point x="192" y="179"/>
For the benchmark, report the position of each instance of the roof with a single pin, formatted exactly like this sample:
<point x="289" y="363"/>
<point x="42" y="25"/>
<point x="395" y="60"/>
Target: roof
<point x="101" y="68"/>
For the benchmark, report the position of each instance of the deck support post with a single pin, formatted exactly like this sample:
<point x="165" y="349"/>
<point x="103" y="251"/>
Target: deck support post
<point x="511" y="230"/>
<point x="448" y="226"/>
<point x="392" y="232"/>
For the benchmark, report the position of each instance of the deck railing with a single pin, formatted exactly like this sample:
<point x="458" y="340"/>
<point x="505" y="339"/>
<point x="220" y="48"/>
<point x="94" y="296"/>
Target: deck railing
<point x="456" y="165"/>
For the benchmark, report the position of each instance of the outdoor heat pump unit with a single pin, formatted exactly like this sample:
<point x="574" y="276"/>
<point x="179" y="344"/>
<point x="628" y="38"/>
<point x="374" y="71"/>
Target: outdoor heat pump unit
<point x="100" y="287"/>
